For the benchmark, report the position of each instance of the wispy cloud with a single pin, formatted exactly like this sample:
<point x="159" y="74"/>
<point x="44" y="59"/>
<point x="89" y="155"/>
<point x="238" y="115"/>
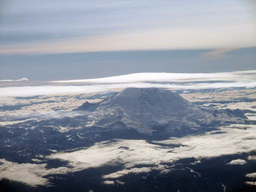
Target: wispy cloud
<point x="32" y="27"/>
<point x="237" y="162"/>
<point x="179" y="38"/>
<point x="217" y="54"/>
<point x="251" y="175"/>
<point x="252" y="183"/>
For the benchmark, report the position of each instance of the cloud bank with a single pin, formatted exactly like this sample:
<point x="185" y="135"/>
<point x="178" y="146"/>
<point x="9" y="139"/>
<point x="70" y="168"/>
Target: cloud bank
<point x="173" y="81"/>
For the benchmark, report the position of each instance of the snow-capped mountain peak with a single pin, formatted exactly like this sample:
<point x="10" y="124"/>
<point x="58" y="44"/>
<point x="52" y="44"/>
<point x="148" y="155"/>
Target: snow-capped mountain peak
<point x="155" y="110"/>
<point x="148" y="100"/>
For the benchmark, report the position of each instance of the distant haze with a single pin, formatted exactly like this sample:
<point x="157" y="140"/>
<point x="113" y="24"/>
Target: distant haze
<point x="105" y="64"/>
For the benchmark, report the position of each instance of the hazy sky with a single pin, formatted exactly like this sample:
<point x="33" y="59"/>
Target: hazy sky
<point x="62" y="26"/>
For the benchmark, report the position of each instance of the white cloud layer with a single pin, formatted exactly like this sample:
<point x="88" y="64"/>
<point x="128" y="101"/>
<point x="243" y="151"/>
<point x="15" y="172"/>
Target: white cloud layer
<point x="171" y="77"/>
<point x="245" y="79"/>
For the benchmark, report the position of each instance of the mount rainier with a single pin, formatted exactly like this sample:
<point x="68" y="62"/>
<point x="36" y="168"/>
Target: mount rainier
<point x="155" y="112"/>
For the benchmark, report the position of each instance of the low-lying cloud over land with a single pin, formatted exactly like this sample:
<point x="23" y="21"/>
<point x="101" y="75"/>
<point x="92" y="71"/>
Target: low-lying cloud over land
<point x="234" y="139"/>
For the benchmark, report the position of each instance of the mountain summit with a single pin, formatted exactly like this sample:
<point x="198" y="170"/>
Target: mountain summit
<point x="155" y="111"/>
<point x="152" y="101"/>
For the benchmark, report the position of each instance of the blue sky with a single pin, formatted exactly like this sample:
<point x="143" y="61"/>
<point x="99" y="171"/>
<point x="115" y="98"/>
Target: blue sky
<point x="54" y="39"/>
<point x="54" y="26"/>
